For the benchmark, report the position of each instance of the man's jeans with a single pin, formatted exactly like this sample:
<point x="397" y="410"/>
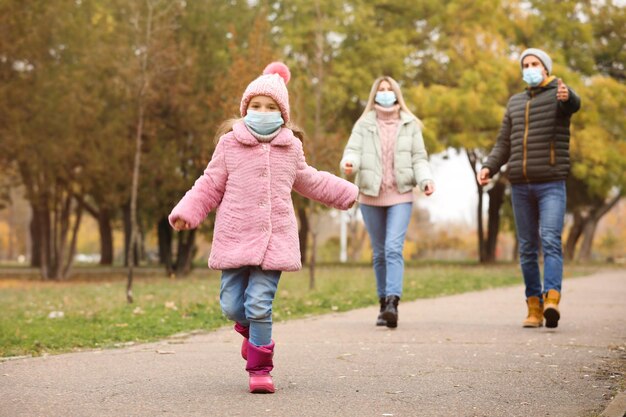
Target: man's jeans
<point x="539" y="211"/>
<point x="246" y="297"/>
<point x="387" y="228"/>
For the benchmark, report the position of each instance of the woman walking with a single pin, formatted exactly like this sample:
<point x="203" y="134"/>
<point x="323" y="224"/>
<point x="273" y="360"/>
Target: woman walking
<point x="386" y="152"/>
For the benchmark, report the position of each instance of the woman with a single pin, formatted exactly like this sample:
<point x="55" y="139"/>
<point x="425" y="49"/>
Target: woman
<point x="386" y="152"/>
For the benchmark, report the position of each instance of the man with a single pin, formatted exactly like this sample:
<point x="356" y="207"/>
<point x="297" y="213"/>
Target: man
<point x="534" y="140"/>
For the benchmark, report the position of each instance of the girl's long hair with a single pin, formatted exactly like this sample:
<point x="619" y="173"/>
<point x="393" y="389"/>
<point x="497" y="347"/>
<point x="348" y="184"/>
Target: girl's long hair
<point x="228" y="124"/>
<point x="399" y="97"/>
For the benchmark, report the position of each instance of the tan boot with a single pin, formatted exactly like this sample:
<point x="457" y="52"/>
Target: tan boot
<point x="551" y="308"/>
<point x="535" y="313"/>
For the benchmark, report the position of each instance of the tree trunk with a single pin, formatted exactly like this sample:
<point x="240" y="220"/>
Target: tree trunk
<point x="574" y="234"/>
<point x="106" y="237"/>
<point x="496" y="199"/>
<point x="313" y="257"/>
<point x="591" y="226"/>
<point x="43" y="215"/>
<point x="127" y="225"/>
<point x="144" y="85"/>
<point x="63" y="211"/>
<point x="127" y="228"/>
<point x="165" y="235"/>
<point x="473" y="160"/>
<point x="35" y="238"/>
<point x="588" y="233"/>
<point x="318" y="128"/>
<point x="72" y="248"/>
<point x="313" y="260"/>
<point x="480" y="228"/>
<point x="53" y="224"/>
<point x="186" y="252"/>
<point x="102" y="215"/>
<point x="303" y="233"/>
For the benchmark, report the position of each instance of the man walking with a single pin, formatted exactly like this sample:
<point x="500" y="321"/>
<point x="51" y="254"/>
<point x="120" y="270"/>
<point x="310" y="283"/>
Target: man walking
<point x="534" y="140"/>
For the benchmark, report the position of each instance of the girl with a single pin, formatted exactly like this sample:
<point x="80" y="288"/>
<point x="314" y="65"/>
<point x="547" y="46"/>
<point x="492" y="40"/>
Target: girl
<point x="386" y="151"/>
<point x="249" y="180"/>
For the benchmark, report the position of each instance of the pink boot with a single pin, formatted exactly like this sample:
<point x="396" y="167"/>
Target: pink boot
<point x="259" y="367"/>
<point x="245" y="332"/>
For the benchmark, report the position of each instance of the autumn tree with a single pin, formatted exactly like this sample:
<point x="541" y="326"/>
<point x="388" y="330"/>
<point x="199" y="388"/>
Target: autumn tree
<point x="48" y="113"/>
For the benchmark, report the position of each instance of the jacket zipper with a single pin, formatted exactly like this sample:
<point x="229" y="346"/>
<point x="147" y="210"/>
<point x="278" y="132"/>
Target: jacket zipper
<point x="395" y="150"/>
<point x="525" y="144"/>
<point x="552" y="154"/>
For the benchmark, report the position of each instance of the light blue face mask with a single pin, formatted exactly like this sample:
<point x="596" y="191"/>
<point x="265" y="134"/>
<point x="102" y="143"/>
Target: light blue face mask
<point x="263" y="122"/>
<point x="386" y="98"/>
<point x="532" y="76"/>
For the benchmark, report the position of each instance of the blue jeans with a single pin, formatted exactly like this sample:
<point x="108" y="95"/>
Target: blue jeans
<point x="539" y="211"/>
<point x="387" y="229"/>
<point x="246" y="296"/>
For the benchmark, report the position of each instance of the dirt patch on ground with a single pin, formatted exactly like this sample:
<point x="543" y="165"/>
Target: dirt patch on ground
<point x="21" y="283"/>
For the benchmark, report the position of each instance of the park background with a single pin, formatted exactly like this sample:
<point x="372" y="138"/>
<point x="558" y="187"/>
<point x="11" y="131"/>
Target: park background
<point x="108" y="111"/>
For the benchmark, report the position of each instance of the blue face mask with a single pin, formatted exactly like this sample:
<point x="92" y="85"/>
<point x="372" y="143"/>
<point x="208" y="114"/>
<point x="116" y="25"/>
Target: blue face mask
<point x="262" y="122"/>
<point x="532" y="76"/>
<point x="386" y="98"/>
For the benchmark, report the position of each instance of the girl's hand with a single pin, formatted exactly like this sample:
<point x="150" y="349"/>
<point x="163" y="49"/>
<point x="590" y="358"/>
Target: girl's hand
<point x="429" y="188"/>
<point x="347" y="167"/>
<point x="180" y="224"/>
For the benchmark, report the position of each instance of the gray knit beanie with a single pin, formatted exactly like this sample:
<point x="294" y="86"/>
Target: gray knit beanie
<point x="543" y="57"/>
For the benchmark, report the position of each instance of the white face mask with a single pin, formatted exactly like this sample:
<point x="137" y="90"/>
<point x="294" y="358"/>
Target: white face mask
<point x="385" y="98"/>
<point x="532" y="76"/>
<point x="263" y="122"/>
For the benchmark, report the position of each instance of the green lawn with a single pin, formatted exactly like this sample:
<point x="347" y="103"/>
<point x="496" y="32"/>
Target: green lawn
<point x="95" y="313"/>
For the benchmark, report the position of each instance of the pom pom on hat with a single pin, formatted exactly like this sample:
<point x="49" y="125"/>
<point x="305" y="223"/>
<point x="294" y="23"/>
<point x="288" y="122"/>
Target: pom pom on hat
<point x="272" y="83"/>
<point x="280" y="69"/>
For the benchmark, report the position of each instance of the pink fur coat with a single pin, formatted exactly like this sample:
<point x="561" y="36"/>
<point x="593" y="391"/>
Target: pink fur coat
<point x="250" y="184"/>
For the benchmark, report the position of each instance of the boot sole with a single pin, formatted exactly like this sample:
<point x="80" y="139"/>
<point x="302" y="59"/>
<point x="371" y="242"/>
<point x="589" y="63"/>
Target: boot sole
<point x="265" y="389"/>
<point x="262" y="387"/>
<point x="552" y="317"/>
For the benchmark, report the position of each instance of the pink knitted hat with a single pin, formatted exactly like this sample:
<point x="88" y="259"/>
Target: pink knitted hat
<point x="273" y="83"/>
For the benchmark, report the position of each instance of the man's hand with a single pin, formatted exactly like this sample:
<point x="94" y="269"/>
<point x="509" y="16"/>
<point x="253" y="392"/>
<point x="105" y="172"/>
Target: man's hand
<point x="483" y="176"/>
<point x="347" y="167"/>
<point x="562" y="93"/>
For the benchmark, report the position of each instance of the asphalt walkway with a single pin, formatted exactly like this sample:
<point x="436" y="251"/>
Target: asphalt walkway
<point x="463" y="355"/>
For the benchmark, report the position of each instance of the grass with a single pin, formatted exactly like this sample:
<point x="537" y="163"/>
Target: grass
<point x="96" y="315"/>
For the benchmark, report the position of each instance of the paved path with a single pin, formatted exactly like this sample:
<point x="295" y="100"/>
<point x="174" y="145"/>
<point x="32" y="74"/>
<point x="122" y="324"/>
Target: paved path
<point x="463" y="355"/>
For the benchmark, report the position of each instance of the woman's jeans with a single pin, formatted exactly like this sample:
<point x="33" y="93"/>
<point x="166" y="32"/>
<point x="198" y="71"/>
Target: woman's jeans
<point x="387" y="228"/>
<point x="246" y="297"/>
<point x="539" y="211"/>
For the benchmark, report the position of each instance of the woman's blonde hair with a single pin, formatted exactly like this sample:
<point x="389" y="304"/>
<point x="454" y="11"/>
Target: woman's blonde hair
<point x="399" y="97"/>
<point x="227" y="126"/>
